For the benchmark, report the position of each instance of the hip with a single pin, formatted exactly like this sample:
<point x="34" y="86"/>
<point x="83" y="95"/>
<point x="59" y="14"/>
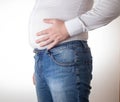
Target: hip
<point x="70" y="53"/>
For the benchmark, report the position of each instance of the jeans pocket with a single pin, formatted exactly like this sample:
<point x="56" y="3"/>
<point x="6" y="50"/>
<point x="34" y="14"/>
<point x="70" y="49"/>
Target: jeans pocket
<point x="71" y="57"/>
<point x="63" y="57"/>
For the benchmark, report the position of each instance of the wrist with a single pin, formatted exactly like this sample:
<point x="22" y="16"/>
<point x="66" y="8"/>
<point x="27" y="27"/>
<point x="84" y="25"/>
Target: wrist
<point x="74" y="26"/>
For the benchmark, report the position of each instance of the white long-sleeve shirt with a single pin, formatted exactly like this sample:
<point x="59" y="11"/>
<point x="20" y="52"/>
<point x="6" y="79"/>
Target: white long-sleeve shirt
<point x="79" y="15"/>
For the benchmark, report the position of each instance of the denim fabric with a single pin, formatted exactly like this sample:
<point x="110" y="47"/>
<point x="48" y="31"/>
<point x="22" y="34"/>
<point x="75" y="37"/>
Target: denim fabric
<point x="64" y="73"/>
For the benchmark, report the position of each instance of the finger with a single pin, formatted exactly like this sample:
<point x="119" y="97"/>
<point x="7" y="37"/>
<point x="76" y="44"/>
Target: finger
<point x="42" y="39"/>
<point x="46" y="42"/>
<point x="52" y="45"/>
<point x="49" y="21"/>
<point x="43" y="32"/>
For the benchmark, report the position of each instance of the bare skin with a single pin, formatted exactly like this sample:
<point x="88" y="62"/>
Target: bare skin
<point x="33" y="79"/>
<point x="53" y="35"/>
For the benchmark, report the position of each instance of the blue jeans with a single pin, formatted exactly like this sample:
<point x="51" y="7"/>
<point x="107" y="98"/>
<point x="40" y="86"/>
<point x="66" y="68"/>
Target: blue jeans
<point x="63" y="73"/>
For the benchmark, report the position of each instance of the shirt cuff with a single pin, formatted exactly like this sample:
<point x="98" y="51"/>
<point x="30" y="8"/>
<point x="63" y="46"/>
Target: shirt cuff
<point x="75" y="26"/>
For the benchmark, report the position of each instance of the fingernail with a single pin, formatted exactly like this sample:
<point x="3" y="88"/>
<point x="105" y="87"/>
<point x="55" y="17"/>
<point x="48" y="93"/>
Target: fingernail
<point x="44" y="19"/>
<point x="41" y="45"/>
<point x="37" y="34"/>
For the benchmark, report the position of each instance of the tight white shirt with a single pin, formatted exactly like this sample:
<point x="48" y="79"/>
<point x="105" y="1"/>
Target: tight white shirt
<point x="79" y="16"/>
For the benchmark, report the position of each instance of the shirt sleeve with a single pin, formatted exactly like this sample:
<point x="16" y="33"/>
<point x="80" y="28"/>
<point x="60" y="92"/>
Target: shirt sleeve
<point x="102" y="14"/>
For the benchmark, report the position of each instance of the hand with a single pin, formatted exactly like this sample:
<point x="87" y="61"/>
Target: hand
<point x="33" y="79"/>
<point x="53" y="35"/>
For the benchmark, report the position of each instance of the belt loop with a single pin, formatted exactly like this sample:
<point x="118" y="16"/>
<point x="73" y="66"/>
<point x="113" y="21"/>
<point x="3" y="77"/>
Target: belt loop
<point x="48" y="52"/>
<point x="35" y="51"/>
<point x="84" y="44"/>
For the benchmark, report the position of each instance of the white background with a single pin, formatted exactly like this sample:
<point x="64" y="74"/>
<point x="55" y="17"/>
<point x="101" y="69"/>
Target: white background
<point x="17" y="63"/>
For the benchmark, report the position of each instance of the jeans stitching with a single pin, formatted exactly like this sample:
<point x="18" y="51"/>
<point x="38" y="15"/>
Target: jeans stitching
<point x="62" y="64"/>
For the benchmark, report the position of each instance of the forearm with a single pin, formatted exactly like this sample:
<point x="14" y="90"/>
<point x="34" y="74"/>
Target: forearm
<point x="101" y="15"/>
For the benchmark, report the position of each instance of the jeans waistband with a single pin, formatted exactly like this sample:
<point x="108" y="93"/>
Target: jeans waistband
<point x="58" y="47"/>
